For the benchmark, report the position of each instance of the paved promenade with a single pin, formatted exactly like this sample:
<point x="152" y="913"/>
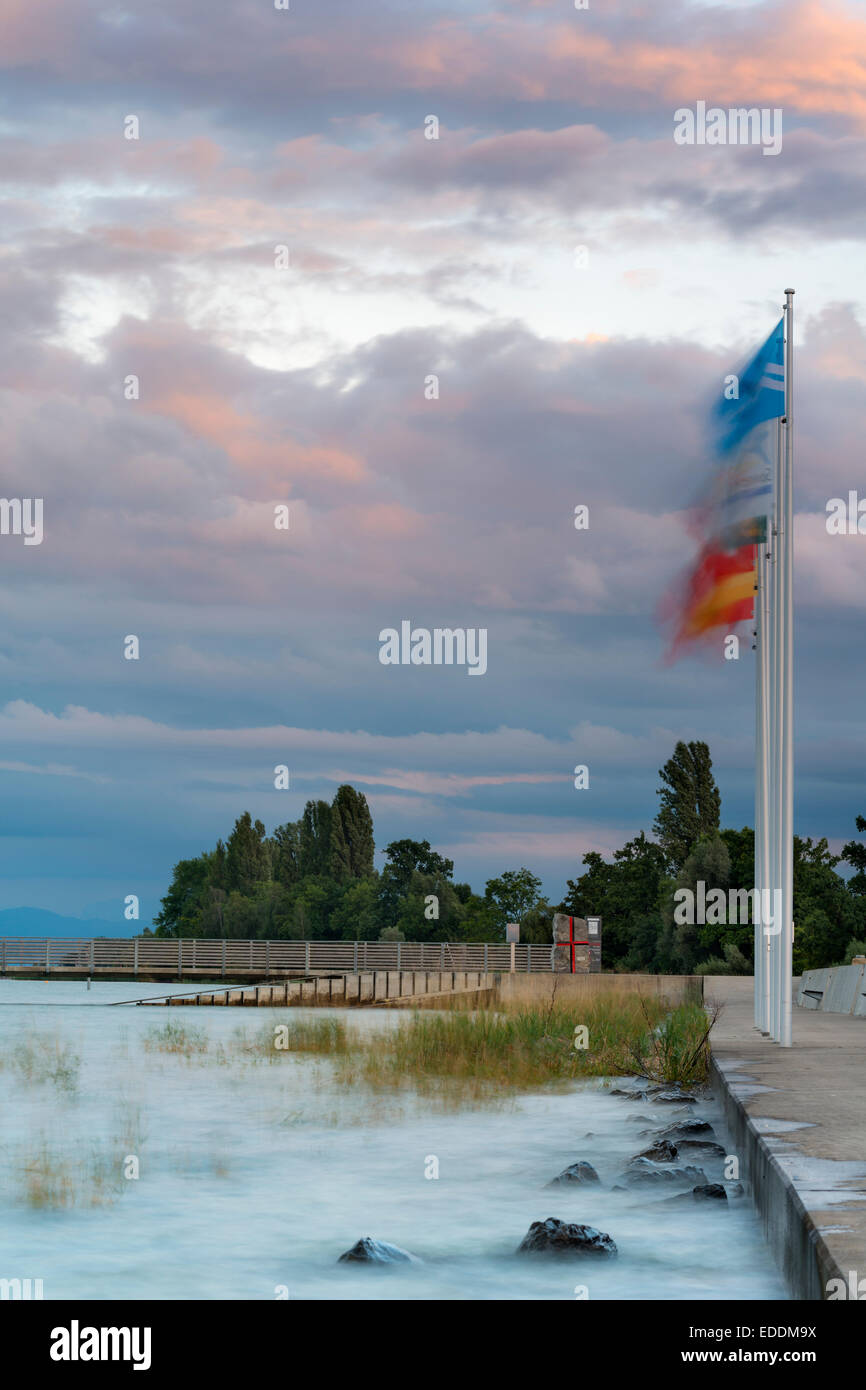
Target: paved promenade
<point x="799" y="1114"/>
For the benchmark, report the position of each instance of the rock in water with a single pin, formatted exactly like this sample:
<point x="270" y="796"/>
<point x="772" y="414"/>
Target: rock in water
<point x="705" y="1192"/>
<point x="672" y="1098"/>
<point x="555" y="1237"/>
<point x="687" y="1129"/>
<point x="703" y="1148"/>
<point x="377" y="1252"/>
<point x="641" y="1171"/>
<point x="662" y="1152"/>
<point x="575" y="1172"/>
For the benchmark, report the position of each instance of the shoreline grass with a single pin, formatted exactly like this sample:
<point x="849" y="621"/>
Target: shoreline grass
<point x="479" y="1053"/>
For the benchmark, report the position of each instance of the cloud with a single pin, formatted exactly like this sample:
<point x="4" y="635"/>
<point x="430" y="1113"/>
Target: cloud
<point x="409" y="257"/>
<point x="805" y="56"/>
<point x="50" y="770"/>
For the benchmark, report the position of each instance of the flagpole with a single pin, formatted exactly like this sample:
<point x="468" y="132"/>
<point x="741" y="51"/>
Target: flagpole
<point x="787" y="681"/>
<point x="760" y="772"/>
<point x="766" y="837"/>
<point x="775" y="721"/>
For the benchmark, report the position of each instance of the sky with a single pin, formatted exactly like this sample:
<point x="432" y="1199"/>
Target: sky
<point x="282" y="257"/>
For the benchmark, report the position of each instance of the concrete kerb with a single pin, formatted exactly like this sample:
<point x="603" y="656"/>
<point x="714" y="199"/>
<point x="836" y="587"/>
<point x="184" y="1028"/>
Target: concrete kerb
<point x="798" y="1121"/>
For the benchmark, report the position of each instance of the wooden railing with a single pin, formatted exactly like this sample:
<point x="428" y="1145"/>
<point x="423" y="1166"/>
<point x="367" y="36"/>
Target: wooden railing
<point x="148" y="955"/>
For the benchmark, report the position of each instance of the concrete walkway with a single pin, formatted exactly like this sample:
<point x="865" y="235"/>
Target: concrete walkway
<point x="798" y="1117"/>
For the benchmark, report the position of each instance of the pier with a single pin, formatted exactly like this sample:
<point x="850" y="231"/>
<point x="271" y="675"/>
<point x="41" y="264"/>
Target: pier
<point x="156" y="958"/>
<point x="377" y="988"/>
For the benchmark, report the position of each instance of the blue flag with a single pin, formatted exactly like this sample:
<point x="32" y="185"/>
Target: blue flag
<point x="760" y="393"/>
<point x="744" y="429"/>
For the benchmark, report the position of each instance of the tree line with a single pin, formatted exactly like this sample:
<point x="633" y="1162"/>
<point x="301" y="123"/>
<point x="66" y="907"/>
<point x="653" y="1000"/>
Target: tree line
<point x="314" y="878"/>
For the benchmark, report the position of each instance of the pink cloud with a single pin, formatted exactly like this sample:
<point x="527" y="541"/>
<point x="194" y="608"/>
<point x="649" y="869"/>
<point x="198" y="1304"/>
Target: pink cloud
<point x="240" y="435"/>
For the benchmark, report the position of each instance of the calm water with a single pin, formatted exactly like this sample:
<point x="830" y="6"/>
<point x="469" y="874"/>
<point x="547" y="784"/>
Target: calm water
<point x="256" y="1175"/>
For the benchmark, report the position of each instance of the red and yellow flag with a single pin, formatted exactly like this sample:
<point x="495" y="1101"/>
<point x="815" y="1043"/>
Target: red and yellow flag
<point x="718" y="592"/>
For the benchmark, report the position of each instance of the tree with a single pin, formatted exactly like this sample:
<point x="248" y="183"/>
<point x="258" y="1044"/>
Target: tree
<point x="247" y="861"/>
<point x="536" y="926"/>
<point x="709" y="863"/>
<point x="512" y="895"/>
<point x="431" y="910"/>
<point x="855" y="855"/>
<point x="827" y="913"/>
<point x="403" y="859"/>
<point x="351" y="847"/>
<point x="313" y="905"/>
<point x="626" y="895"/>
<point x="690" y="801"/>
<point x="181" y="907"/>
<point x="356" y="915"/>
<point x="741" y="848"/>
<point x="285" y="847"/>
<point x="314" y="840"/>
<point x="482" y="920"/>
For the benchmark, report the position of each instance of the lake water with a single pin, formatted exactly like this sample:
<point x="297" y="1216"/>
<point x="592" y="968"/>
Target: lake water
<point x="255" y="1176"/>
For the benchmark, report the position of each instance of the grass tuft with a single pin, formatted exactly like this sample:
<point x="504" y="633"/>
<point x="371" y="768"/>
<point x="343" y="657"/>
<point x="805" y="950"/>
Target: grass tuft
<point x="176" y="1037"/>
<point x="460" y="1056"/>
<point x="328" y="1037"/>
<point x="39" y="1060"/>
<point x="677" y="1048"/>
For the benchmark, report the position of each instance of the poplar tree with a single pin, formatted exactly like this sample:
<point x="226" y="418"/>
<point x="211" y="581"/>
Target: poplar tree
<point x="351" y="835"/>
<point x="285" y="847"/>
<point x="690" y="801"/>
<point x="314" y="841"/>
<point x="247" y="860"/>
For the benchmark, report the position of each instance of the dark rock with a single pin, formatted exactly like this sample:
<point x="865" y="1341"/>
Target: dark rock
<point x="705" y="1192"/>
<point x="377" y="1252"/>
<point x="687" y="1129"/>
<point x="662" y="1152"/>
<point x="703" y="1146"/>
<point x="638" y="1120"/>
<point x="579" y="1172"/>
<point x="589" y="1134"/>
<point x="641" y="1172"/>
<point x="628" y="1095"/>
<point x="672" y="1098"/>
<point x="555" y="1237"/>
<point x="735" y="1189"/>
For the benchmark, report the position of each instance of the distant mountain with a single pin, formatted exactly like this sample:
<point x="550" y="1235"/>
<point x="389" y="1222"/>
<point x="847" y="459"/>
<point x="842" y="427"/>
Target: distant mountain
<point x="36" y="921"/>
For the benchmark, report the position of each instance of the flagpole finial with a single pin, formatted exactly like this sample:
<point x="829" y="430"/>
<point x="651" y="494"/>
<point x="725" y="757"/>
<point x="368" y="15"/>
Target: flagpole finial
<point x="789" y="291"/>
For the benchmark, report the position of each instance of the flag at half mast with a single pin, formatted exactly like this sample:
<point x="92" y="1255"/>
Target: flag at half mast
<point x="731" y="517"/>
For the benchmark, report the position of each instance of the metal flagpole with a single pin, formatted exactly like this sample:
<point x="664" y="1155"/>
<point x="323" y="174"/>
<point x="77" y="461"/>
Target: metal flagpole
<point x="786" y="941"/>
<point x="760" y="772"/>
<point x="766" y="840"/>
<point x="775" y="721"/>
